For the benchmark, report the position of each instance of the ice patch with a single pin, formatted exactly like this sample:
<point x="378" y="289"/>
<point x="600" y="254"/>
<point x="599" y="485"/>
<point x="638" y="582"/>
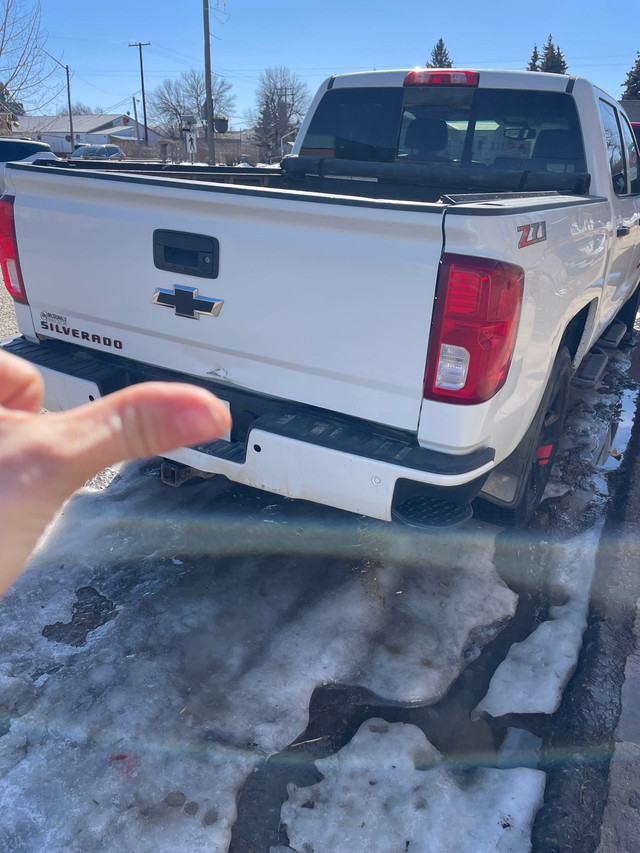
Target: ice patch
<point x="535" y="672"/>
<point x="388" y="790"/>
<point x="224" y="628"/>
<point x="426" y="629"/>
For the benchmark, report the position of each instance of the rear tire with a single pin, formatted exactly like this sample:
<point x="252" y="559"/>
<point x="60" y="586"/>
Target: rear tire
<point x="627" y="314"/>
<point x="536" y="452"/>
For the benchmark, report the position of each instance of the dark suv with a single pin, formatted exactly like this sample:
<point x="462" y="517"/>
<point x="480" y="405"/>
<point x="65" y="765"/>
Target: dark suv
<point x="22" y="149"/>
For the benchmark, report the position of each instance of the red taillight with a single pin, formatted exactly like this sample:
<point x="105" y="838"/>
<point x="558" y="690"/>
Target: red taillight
<point x="474" y="329"/>
<point x="9" y="251"/>
<point x="441" y="77"/>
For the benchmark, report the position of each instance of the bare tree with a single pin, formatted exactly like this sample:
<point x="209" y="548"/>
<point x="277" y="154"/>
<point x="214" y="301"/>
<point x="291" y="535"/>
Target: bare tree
<point x="24" y="68"/>
<point x="185" y="96"/>
<point x="166" y="105"/>
<point x="281" y="101"/>
<point x="80" y="109"/>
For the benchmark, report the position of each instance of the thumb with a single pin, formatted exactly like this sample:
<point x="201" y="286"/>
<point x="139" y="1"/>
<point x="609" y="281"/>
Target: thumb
<point x="142" y="420"/>
<point x="44" y="459"/>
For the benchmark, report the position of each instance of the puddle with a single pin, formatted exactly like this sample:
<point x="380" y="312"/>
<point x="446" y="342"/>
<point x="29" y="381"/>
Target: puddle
<point x="597" y="433"/>
<point x="336" y="712"/>
<point x="620" y="431"/>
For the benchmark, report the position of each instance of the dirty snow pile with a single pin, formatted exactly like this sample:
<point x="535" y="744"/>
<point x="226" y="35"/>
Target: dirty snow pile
<point x="135" y="731"/>
<point x="388" y="790"/>
<point x="535" y="672"/>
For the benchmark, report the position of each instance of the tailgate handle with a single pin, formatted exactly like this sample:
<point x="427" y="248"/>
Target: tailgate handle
<point x="188" y="254"/>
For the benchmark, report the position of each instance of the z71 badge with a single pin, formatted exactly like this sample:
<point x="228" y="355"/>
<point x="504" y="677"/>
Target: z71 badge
<point x="535" y="232"/>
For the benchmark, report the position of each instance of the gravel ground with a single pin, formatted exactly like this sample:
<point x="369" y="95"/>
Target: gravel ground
<point x="8" y="325"/>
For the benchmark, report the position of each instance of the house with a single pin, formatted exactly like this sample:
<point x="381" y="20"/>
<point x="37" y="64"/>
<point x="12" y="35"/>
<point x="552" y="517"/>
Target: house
<point x="87" y="129"/>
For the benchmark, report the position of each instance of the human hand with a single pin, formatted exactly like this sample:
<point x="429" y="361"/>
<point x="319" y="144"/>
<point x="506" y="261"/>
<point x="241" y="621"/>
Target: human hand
<point x="45" y="458"/>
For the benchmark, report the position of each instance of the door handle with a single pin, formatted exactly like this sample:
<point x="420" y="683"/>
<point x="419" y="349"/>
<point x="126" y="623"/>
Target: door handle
<point x="623" y="231"/>
<point x="189" y="254"/>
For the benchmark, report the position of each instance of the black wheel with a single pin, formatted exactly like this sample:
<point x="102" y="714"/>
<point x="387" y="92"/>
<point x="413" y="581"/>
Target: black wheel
<point x="533" y="459"/>
<point x="627" y="314"/>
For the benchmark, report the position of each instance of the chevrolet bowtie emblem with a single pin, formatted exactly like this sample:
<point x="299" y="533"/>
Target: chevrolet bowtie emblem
<point x="186" y="302"/>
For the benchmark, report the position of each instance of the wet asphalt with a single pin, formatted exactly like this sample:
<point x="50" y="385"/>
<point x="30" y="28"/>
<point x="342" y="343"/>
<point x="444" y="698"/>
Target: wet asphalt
<point x="591" y="751"/>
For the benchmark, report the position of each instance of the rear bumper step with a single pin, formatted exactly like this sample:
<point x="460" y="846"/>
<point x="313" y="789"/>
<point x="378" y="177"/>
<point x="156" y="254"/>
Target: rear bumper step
<point x="278" y="445"/>
<point x="431" y="513"/>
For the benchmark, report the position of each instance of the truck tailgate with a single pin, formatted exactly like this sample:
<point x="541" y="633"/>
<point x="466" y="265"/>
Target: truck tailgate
<point x="324" y="300"/>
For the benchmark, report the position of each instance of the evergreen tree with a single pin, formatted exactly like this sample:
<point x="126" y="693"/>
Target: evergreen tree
<point x="560" y="62"/>
<point x="534" y="62"/>
<point x="440" y="56"/>
<point x="552" y="58"/>
<point x="632" y="83"/>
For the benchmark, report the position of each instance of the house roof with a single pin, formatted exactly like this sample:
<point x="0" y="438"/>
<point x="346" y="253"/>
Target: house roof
<point x="632" y="109"/>
<point x="60" y="124"/>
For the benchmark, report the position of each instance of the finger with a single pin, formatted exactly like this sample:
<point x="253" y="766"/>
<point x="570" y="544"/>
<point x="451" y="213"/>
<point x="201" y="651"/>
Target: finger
<point x="21" y="386"/>
<point x="142" y="420"/>
<point x="45" y="459"/>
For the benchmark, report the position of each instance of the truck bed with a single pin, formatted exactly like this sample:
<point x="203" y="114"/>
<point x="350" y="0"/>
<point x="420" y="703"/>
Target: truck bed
<point x="329" y="175"/>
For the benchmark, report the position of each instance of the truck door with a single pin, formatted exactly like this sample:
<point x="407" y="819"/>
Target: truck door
<point x="633" y="174"/>
<point x="623" y="164"/>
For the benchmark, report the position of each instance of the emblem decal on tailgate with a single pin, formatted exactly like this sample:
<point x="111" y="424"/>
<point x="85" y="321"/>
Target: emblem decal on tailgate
<point x="186" y="302"/>
<point x="536" y="232"/>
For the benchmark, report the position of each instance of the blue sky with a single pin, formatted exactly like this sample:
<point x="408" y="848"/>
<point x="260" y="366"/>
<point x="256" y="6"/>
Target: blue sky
<point x="318" y="39"/>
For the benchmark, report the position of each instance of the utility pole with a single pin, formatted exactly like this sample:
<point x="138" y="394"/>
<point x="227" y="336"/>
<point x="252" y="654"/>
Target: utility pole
<point x="135" y="116"/>
<point x="140" y="45"/>
<point x="66" y="68"/>
<point x="207" y="80"/>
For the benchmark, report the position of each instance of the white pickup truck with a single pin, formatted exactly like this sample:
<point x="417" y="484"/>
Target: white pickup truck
<point x="393" y="316"/>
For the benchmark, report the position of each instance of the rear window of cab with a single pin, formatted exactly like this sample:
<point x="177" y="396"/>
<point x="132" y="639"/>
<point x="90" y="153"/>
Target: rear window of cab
<point x="454" y="125"/>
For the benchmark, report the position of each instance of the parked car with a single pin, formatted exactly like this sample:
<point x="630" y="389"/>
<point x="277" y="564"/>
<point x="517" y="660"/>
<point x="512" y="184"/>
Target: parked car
<point x="98" y="152"/>
<point x="26" y="150"/>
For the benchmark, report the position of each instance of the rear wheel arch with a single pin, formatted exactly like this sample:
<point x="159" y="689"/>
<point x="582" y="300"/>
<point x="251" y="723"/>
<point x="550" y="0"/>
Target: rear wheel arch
<point x="578" y="332"/>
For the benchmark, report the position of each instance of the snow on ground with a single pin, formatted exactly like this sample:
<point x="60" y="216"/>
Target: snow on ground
<point x="535" y="672"/>
<point x="388" y="791"/>
<point x="159" y="648"/>
<point x="164" y="643"/>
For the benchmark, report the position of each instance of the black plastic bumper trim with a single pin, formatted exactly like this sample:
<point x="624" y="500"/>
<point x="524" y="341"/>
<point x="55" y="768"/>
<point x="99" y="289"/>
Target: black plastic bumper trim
<point x="251" y="411"/>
